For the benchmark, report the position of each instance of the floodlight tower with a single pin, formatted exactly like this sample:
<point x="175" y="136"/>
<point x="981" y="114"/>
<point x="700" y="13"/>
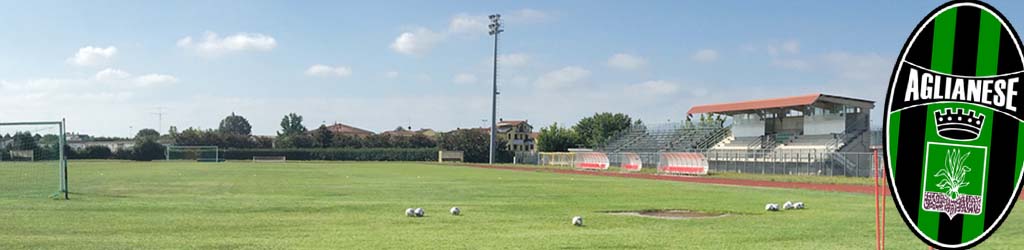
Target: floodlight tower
<point x="495" y="30"/>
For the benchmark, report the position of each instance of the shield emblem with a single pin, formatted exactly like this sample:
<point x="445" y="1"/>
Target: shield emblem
<point x="953" y="125"/>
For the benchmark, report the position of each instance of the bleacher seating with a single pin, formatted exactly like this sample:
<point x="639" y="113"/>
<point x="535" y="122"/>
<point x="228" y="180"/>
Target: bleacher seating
<point x="745" y="142"/>
<point x="665" y="138"/>
<point x="817" y="142"/>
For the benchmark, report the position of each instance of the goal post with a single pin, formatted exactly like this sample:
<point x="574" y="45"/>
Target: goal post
<point x="197" y="153"/>
<point x="29" y="149"/>
<point x="556" y="158"/>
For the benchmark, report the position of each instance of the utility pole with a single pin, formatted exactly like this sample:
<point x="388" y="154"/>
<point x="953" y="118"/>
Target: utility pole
<point x="495" y="27"/>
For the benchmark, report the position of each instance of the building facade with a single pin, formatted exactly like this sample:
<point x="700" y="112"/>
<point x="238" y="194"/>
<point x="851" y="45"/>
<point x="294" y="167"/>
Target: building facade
<point x="517" y="133"/>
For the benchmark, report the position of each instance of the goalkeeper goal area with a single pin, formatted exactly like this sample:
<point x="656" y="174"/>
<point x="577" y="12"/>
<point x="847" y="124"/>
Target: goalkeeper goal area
<point x="194" y="153"/>
<point x="32" y="159"/>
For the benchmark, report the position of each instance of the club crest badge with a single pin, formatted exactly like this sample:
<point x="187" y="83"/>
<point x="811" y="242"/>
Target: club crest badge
<point x="954" y="125"/>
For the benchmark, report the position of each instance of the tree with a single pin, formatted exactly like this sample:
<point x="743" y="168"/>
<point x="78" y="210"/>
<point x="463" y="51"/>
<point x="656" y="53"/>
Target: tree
<point x="172" y="134"/>
<point x="146" y="147"/>
<point x="146" y="134"/>
<point x="556" y="139"/>
<point x="296" y="141"/>
<point x="148" y="150"/>
<point x="421" y="141"/>
<point x="95" y="152"/>
<point x="291" y="124"/>
<point x="24" y="141"/>
<point x="595" y="130"/>
<point x="323" y="137"/>
<point x="236" y="124"/>
<point x="346" y="141"/>
<point x="474" y="143"/>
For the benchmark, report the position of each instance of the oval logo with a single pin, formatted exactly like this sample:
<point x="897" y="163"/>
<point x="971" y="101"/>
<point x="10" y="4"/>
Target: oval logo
<point x="954" y="125"/>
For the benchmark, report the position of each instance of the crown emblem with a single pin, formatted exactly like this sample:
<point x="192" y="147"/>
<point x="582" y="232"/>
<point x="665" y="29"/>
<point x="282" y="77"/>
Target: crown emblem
<point x="959" y="125"/>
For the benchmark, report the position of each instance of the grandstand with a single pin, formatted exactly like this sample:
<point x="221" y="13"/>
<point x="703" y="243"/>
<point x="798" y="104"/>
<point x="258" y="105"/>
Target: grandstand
<point x="809" y="134"/>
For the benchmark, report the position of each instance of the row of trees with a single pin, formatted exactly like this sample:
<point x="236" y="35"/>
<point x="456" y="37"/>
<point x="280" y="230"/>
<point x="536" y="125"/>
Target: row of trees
<point x="589" y="132"/>
<point x="596" y="130"/>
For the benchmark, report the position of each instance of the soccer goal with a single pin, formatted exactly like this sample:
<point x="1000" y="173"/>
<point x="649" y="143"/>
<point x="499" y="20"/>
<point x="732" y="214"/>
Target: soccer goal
<point x="21" y="155"/>
<point x="196" y="153"/>
<point x="556" y="158"/>
<point x="32" y="159"/>
<point x="269" y="159"/>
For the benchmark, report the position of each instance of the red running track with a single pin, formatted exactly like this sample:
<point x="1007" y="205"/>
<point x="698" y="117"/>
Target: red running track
<point x="848" y="188"/>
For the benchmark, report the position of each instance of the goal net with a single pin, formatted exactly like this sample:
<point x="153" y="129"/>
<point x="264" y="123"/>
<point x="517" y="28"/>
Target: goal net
<point x="556" y="158"/>
<point x="269" y="159"/>
<point x="32" y="160"/>
<point x="194" y="153"/>
<point x="21" y="155"/>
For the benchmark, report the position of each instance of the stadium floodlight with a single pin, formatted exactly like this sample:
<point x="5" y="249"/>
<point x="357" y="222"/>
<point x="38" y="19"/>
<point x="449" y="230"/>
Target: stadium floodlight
<point x="495" y="29"/>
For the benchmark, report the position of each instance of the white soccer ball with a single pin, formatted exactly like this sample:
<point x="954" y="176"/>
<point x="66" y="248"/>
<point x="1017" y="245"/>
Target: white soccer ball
<point x="788" y="205"/>
<point x="799" y="205"/>
<point x="577" y="221"/>
<point x="455" y="211"/>
<point x="409" y="212"/>
<point x="771" y="207"/>
<point x="419" y="212"/>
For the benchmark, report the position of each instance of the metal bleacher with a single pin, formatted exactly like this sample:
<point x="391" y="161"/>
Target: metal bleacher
<point x="664" y="138"/>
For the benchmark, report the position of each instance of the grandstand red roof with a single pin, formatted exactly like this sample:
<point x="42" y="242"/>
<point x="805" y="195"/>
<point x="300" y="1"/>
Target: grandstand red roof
<point x="792" y="101"/>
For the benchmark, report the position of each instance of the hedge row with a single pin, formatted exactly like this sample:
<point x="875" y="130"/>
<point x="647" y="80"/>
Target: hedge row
<point x="336" y="154"/>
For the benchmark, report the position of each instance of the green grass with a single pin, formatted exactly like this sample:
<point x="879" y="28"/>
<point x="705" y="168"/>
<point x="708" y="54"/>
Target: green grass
<point x="360" y="205"/>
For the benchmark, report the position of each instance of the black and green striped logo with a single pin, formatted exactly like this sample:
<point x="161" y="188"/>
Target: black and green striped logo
<point x="954" y="125"/>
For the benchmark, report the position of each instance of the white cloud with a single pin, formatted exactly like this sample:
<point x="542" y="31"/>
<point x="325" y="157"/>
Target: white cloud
<point x="89" y="55"/>
<point x="792" y="64"/>
<point x="391" y="74"/>
<point x="214" y="44"/>
<point x="513" y="60"/>
<point x="416" y="42"/>
<point x="787" y="47"/>
<point x="562" y="78"/>
<point x="468" y="24"/>
<point x="111" y="74"/>
<point x="705" y="55"/>
<point x="325" y="70"/>
<point x="155" y="80"/>
<point x="652" y="88"/>
<point x="791" y="46"/>
<point x="859" y="66"/>
<point x="465" y="78"/>
<point x="528" y="16"/>
<point x="626" y="61"/>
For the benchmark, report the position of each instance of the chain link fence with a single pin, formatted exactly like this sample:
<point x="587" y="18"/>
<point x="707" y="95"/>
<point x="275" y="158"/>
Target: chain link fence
<point x="859" y="164"/>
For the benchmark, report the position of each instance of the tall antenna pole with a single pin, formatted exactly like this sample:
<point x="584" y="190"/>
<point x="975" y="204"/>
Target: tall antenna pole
<point x="159" y="118"/>
<point x="495" y="30"/>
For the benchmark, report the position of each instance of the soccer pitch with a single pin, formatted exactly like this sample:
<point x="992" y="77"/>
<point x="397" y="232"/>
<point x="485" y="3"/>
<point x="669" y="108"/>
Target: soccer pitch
<point x="360" y="205"/>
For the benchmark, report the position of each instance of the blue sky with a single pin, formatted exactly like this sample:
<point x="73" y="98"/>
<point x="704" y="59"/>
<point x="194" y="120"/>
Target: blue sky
<point x="107" y="66"/>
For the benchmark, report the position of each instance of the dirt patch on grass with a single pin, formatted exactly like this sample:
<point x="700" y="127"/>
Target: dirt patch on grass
<point x="670" y="214"/>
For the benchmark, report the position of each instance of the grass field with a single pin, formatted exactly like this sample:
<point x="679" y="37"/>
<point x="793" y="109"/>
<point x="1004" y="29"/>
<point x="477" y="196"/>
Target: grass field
<point x="360" y="205"/>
